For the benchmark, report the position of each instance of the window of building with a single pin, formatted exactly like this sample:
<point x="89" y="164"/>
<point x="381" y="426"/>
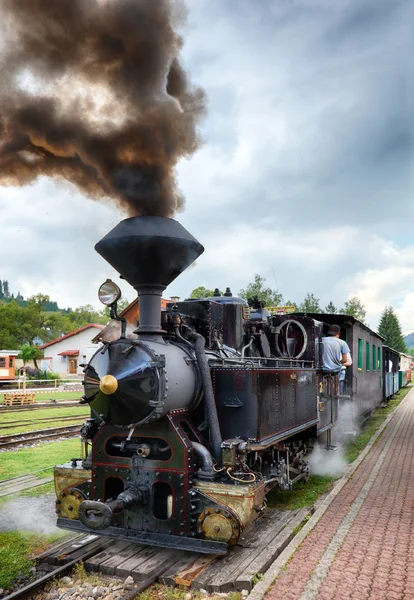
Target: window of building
<point x="63" y="359"/>
<point x="367" y="356"/>
<point x="2" y="362"/>
<point x="379" y="359"/>
<point x="359" y="354"/>
<point x="374" y="357"/>
<point x="11" y="362"/>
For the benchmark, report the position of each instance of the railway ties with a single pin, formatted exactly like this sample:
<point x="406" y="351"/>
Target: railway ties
<point x="20" y="483"/>
<point x="144" y="565"/>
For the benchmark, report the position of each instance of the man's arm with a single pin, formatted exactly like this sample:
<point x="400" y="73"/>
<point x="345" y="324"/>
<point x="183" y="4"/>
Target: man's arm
<point x="345" y="351"/>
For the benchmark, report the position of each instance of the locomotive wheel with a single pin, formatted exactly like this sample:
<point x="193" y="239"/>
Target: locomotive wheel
<point x="218" y="525"/>
<point x="68" y="502"/>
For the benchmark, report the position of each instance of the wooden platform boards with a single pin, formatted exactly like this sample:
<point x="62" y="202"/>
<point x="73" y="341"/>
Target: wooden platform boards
<point x="22" y="482"/>
<point x="236" y="571"/>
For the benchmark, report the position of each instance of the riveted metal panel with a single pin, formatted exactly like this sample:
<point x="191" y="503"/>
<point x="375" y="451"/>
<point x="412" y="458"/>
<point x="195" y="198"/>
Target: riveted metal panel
<point x="265" y="403"/>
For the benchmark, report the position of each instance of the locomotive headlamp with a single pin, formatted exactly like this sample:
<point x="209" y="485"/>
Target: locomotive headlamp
<point x="109" y="293"/>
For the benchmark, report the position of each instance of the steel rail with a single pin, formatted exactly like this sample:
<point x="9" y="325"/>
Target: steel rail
<point x="10" y="441"/>
<point x="38" y="406"/>
<point x="48" y="419"/>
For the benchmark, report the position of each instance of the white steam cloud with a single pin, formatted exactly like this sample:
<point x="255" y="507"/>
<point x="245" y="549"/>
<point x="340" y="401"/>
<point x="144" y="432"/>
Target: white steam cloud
<point x="332" y="463"/>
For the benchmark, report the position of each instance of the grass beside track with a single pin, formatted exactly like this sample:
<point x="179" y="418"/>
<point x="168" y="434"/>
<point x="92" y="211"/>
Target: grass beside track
<point x="354" y="447"/>
<point x="53" y="413"/>
<point x="16" y="550"/>
<point x="31" y="460"/>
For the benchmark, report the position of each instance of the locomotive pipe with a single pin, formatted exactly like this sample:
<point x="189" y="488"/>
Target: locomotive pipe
<point x="207" y="463"/>
<point x="211" y="409"/>
<point x="149" y="298"/>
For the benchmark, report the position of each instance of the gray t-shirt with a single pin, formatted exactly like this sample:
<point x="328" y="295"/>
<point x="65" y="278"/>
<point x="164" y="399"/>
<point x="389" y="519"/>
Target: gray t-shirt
<point x="332" y="350"/>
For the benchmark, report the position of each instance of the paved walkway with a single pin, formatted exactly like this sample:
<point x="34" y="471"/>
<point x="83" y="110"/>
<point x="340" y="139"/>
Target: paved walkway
<point x="363" y="546"/>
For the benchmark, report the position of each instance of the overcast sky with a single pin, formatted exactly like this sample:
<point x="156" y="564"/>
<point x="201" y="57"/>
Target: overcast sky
<point x="306" y="175"/>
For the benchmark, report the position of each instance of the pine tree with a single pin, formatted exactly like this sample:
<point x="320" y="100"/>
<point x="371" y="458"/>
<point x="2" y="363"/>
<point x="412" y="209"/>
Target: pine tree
<point x="390" y="329"/>
<point x="1" y="290"/>
<point x="6" y="292"/>
<point x="331" y="308"/>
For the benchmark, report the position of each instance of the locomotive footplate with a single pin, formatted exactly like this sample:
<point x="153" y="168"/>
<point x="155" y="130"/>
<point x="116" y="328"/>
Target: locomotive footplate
<point x="153" y="539"/>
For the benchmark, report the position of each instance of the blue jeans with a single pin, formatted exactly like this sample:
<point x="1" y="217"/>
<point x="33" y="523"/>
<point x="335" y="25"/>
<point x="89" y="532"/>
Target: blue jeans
<point x="342" y="382"/>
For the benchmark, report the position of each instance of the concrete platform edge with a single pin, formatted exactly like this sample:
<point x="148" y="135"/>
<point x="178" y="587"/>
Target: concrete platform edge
<point x="276" y="567"/>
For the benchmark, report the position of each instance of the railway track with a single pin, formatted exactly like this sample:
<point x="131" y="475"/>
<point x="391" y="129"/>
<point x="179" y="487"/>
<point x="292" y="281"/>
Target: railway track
<point x="12" y="441"/>
<point x="85" y="548"/>
<point x="29" y="407"/>
<point x="112" y="558"/>
<point x="45" y="420"/>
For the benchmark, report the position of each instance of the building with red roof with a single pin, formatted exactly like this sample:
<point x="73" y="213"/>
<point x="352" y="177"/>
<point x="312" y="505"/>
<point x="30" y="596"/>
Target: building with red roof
<point x="65" y="354"/>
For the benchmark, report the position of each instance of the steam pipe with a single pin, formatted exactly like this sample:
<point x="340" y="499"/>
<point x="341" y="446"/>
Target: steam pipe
<point x="211" y="409"/>
<point x="206" y="459"/>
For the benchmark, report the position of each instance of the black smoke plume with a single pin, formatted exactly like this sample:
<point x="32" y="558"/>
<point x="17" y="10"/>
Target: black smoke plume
<point x="92" y="91"/>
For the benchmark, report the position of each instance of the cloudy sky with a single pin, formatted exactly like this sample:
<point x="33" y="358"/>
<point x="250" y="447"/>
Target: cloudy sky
<point x="306" y="174"/>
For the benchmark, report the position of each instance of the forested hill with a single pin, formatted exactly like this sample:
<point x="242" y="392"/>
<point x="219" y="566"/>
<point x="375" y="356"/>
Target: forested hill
<point x="7" y="296"/>
<point x="409" y="340"/>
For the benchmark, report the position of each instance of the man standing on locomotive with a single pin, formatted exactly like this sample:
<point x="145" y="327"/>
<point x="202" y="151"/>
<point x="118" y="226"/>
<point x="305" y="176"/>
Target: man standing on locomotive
<point x="335" y="352"/>
<point x="335" y="355"/>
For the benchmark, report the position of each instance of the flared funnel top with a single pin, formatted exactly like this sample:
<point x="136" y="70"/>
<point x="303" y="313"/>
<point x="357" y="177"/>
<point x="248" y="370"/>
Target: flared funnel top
<point x="149" y="250"/>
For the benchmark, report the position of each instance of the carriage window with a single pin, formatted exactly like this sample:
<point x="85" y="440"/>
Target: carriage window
<point x="2" y="362"/>
<point x="367" y="356"/>
<point x="374" y="357"/>
<point x="359" y="354"/>
<point x="379" y="359"/>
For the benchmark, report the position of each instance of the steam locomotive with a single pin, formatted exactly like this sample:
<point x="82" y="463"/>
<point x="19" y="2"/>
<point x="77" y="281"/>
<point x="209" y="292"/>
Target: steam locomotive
<point x="193" y="421"/>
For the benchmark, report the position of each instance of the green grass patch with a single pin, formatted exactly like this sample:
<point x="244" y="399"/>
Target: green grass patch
<point x="354" y="447"/>
<point x="302" y="495"/>
<point x="16" y="550"/>
<point x="32" y="460"/>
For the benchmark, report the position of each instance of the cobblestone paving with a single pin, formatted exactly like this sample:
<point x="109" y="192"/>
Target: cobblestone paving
<point x="363" y="546"/>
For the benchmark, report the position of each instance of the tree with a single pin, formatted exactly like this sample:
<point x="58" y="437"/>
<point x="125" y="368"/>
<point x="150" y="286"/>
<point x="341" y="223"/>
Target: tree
<point x="331" y="308"/>
<point x="355" y="308"/>
<point x="258" y="288"/>
<point x="6" y="292"/>
<point x="1" y="290"/>
<point x="310" y="304"/>
<point x="28" y="353"/>
<point x="201" y="292"/>
<point x="390" y="329"/>
<point x="83" y="316"/>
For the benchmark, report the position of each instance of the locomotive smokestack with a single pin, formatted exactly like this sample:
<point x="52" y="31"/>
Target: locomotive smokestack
<point x="149" y="253"/>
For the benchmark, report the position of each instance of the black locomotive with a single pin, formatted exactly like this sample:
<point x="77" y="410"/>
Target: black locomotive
<point x="196" y="418"/>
